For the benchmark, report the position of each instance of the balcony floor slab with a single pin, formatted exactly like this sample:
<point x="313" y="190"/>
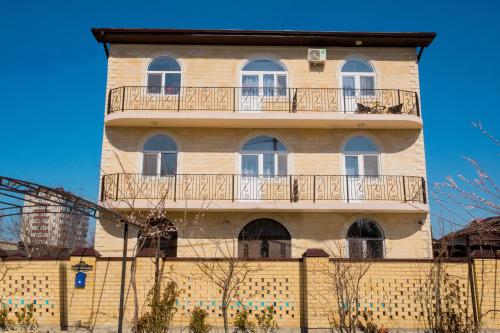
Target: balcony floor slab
<point x="278" y="119"/>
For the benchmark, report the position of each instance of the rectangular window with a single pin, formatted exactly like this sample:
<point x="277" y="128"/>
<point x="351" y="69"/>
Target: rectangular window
<point x="281" y="85"/>
<point x="249" y="165"/>
<point x="351" y="165"/>
<point x="150" y="164"/>
<point x="268" y="165"/>
<point x="172" y="83"/>
<point x="168" y="164"/>
<point x="355" y="248"/>
<point x="371" y="165"/>
<point x="154" y="83"/>
<point x="282" y="165"/>
<point x="367" y="86"/>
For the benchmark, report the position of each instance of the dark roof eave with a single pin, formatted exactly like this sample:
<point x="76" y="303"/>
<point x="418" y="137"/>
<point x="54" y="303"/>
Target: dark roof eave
<point x="262" y="37"/>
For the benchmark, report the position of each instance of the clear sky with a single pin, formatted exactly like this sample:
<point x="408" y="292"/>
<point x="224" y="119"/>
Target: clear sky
<point x="53" y="73"/>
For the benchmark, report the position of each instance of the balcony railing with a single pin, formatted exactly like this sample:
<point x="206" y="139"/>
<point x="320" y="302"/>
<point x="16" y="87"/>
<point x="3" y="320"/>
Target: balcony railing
<point x="232" y="99"/>
<point x="233" y="187"/>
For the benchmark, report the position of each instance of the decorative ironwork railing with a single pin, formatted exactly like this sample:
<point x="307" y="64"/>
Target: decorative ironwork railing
<point x="232" y="99"/>
<point x="233" y="187"/>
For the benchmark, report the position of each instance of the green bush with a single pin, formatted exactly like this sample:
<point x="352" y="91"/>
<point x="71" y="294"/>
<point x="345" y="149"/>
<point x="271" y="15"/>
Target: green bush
<point x="161" y="308"/>
<point x="197" y="323"/>
<point x="241" y="322"/>
<point x="26" y="318"/>
<point x="5" y="322"/>
<point x="266" y="320"/>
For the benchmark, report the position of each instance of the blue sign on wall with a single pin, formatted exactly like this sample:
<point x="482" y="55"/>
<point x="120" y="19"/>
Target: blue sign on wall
<point x="80" y="280"/>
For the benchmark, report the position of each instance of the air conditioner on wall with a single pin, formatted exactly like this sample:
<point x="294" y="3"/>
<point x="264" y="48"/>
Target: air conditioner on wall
<point x="316" y="56"/>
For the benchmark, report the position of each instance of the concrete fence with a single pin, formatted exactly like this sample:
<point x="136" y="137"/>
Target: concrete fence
<point x="396" y="292"/>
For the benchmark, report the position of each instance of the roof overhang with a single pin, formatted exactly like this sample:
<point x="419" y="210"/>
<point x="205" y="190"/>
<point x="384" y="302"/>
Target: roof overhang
<point x="263" y="37"/>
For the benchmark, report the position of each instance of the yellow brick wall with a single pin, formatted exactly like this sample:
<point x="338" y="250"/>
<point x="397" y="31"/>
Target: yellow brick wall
<point x="396" y="292"/>
<point x="216" y="150"/>
<point x="219" y="66"/>
<point x="404" y="236"/>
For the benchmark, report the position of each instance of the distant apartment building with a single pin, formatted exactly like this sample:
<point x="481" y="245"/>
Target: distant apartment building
<point x="300" y="139"/>
<point x="44" y="222"/>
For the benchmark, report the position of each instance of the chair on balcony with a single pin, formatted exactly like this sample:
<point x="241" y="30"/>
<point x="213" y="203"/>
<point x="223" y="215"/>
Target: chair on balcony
<point x="362" y="108"/>
<point x="396" y="109"/>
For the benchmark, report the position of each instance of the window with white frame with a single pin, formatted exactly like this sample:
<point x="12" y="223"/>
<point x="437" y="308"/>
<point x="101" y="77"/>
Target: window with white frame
<point x="365" y="240"/>
<point x="264" y="77"/>
<point x="164" y="76"/>
<point x="361" y="157"/>
<point x="358" y="75"/>
<point x="159" y="156"/>
<point x="264" y="156"/>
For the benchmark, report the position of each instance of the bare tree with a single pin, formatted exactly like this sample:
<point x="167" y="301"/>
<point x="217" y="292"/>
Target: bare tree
<point x="345" y="278"/>
<point x="218" y="260"/>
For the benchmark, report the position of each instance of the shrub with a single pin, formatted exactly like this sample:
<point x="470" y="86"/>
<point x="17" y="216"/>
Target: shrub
<point x="266" y="320"/>
<point x="197" y="323"/>
<point x="368" y="326"/>
<point x="26" y="318"/>
<point x="241" y="322"/>
<point x="5" y="322"/>
<point x="161" y="309"/>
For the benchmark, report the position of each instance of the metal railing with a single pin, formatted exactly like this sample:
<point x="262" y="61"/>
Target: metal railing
<point x="234" y="187"/>
<point x="232" y="99"/>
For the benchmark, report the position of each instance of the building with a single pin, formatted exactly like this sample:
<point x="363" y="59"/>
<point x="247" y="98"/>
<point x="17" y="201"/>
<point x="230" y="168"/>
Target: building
<point x="287" y="140"/>
<point x="45" y="222"/>
<point x="483" y="240"/>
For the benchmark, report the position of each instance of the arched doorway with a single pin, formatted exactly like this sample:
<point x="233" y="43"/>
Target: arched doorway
<point x="264" y="238"/>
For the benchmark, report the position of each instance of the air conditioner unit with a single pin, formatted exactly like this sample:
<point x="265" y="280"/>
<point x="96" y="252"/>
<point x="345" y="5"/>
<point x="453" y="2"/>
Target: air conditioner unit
<point x="316" y="56"/>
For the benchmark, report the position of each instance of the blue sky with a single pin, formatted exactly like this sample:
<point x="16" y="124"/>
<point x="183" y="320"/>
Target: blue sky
<point x="53" y="77"/>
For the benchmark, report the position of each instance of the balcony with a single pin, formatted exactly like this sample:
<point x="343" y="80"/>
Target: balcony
<point x="262" y="107"/>
<point x="292" y="192"/>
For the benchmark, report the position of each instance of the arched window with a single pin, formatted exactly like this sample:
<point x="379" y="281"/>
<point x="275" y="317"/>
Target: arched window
<point x="263" y="77"/>
<point x="365" y="240"/>
<point x="159" y="156"/>
<point x="164" y="76"/>
<point x="361" y="157"/>
<point x="264" y="156"/>
<point x="167" y="239"/>
<point x="358" y="81"/>
<point x="264" y="238"/>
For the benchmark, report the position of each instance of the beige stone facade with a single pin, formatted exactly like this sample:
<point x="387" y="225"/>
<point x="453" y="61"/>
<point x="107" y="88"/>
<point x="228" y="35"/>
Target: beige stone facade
<point x="209" y="142"/>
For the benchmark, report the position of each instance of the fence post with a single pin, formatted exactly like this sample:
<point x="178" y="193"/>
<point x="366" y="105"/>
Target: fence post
<point x="343" y="97"/>
<point x="291" y="188"/>
<point x="117" y="185"/>
<point x="102" y="187"/>
<point x="234" y="100"/>
<point x="417" y="104"/>
<point x="404" y="188"/>
<point x="424" y="191"/>
<point x="109" y="101"/>
<point x="289" y="100"/>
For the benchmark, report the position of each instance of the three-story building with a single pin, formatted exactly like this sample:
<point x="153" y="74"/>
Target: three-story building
<point x="286" y="140"/>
